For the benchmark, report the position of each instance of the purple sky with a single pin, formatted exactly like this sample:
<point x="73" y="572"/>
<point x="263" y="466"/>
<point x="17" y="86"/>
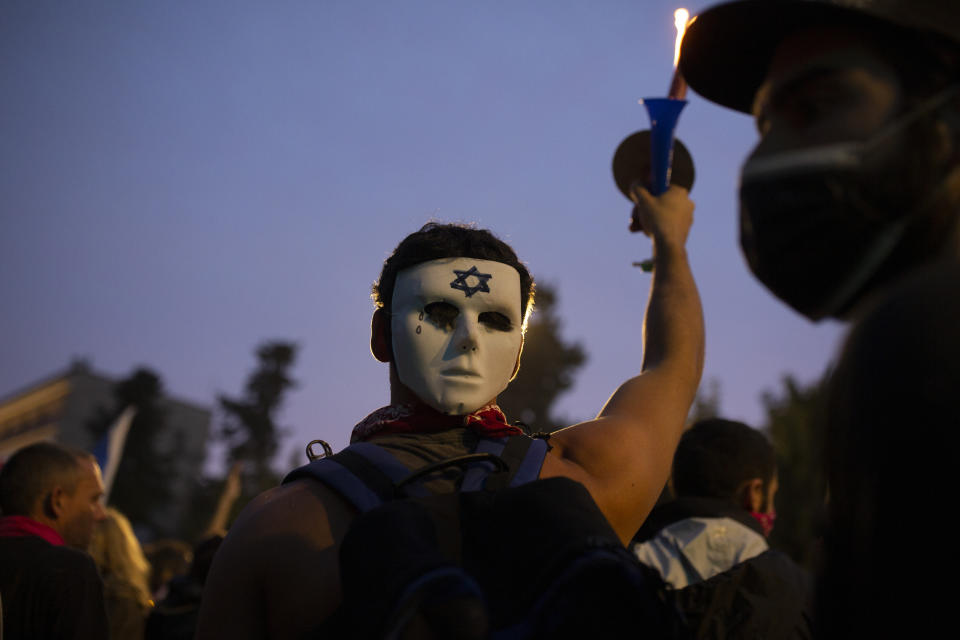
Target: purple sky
<point x="181" y="181"/>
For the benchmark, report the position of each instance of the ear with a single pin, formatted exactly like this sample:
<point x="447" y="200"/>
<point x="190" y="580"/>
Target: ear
<point x="380" y="343"/>
<point x="516" y="365"/>
<point x="752" y="495"/>
<point x="53" y="504"/>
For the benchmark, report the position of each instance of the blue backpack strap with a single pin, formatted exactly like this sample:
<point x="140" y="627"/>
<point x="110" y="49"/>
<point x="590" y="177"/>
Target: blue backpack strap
<point x="364" y="474"/>
<point x="529" y="468"/>
<point x="523" y="455"/>
<point x="478" y="472"/>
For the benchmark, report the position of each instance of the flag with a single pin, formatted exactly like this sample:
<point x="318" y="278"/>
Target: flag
<point x="109" y="449"/>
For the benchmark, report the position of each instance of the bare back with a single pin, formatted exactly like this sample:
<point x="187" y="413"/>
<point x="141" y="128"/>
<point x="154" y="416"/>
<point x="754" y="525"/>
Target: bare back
<point x="277" y="573"/>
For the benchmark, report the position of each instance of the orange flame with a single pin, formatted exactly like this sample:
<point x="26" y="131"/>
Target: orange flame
<point x="680" y="18"/>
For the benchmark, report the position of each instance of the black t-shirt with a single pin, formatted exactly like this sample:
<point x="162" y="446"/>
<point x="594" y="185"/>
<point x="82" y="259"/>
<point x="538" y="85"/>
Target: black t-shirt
<point x="49" y="592"/>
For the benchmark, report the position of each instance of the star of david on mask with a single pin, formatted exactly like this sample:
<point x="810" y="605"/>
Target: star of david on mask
<point x="456" y="331"/>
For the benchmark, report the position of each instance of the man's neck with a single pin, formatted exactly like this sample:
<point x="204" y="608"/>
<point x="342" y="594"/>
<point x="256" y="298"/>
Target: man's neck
<point x="18" y="526"/>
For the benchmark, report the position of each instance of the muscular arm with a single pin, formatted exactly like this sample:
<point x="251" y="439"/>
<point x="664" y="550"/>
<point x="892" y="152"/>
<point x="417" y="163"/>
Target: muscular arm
<point x="276" y="575"/>
<point x="624" y="455"/>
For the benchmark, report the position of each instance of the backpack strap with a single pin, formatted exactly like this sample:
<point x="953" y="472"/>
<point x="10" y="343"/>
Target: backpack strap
<point x="528" y="465"/>
<point x="364" y="474"/>
<point x="523" y="455"/>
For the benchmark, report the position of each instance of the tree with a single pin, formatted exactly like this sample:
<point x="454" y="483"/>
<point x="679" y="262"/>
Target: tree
<point x="249" y="422"/>
<point x="141" y="488"/>
<point x="793" y="424"/>
<point x="547" y="369"/>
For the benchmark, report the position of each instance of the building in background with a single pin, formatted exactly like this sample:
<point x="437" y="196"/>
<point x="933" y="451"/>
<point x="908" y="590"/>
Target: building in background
<point x="60" y="407"/>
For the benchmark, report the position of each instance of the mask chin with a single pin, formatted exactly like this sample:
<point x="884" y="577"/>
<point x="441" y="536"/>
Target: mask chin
<point x="822" y="227"/>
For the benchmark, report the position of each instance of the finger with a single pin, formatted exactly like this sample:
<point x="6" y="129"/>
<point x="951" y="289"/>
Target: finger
<point x="635" y="224"/>
<point x="638" y="192"/>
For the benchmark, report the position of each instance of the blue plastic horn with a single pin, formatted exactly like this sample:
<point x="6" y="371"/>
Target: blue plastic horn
<point x="663" y="113"/>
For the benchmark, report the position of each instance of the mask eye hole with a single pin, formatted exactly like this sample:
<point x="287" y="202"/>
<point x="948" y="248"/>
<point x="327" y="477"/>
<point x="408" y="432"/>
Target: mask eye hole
<point x="496" y="321"/>
<point x="442" y="314"/>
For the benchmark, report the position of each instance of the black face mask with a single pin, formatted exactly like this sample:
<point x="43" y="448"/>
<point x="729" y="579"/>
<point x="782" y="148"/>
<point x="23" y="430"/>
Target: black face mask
<point x="818" y="224"/>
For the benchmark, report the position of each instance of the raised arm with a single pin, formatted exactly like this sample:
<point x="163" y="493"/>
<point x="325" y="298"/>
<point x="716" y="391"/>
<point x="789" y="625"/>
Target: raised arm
<point x="229" y="495"/>
<point x="623" y="456"/>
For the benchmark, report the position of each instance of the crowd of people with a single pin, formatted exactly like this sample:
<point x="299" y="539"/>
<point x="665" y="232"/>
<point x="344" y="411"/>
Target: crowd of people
<point x="442" y="519"/>
<point x="72" y="568"/>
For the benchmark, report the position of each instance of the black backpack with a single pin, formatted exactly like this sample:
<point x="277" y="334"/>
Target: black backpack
<point x="507" y="556"/>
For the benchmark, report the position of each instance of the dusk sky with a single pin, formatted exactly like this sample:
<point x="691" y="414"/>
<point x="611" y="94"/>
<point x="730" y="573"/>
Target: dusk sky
<point x="181" y="181"/>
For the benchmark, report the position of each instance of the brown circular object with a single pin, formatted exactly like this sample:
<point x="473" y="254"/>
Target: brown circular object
<point x="631" y="163"/>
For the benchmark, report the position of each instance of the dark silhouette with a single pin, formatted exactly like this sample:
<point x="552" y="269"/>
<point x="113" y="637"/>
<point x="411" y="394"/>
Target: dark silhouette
<point x="249" y="426"/>
<point x="141" y="488"/>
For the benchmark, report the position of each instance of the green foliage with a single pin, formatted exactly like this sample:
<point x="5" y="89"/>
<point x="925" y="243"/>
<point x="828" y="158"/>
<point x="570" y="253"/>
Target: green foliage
<point x="249" y="422"/>
<point x="547" y="369"/>
<point x="793" y="424"/>
<point x="141" y="488"/>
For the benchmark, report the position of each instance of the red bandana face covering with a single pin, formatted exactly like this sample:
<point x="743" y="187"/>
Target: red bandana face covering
<point x="21" y="526"/>
<point x="765" y="520"/>
<point x="487" y="422"/>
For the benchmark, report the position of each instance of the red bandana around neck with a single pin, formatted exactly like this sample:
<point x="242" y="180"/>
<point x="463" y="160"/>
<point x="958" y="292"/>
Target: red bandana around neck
<point x="488" y="422"/>
<point x="22" y="526"/>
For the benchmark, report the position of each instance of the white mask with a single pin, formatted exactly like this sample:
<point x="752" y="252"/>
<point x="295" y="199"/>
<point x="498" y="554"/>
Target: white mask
<point x="456" y="326"/>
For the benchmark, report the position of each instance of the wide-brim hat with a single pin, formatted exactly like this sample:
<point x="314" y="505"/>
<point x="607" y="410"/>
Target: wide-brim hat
<point x="727" y="48"/>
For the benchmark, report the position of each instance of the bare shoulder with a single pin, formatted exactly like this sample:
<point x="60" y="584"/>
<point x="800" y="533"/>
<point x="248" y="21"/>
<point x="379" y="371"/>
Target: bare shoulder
<point x="276" y="575"/>
<point x="623" y="464"/>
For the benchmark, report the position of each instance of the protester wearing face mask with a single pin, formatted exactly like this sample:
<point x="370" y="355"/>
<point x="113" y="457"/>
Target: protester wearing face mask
<point x="856" y="178"/>
<point x="709" y="543"/>
<point x="850" y="208"/>
<point x="451" y="306"/>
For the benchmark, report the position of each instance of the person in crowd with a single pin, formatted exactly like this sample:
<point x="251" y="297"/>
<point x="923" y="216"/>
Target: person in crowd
<point x="849" y="208"/>
<point x="50" y="498"/>
<point x="855" y="180"/>
<point x="452" y="302"/>
<point x="175" y="618"/>
<point x="168" y="559"/>
<point x="710" y="543"/>
<point x="126" y="574"/>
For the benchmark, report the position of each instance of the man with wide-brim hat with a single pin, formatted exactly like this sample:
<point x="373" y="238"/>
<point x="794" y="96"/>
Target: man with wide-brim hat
<point x="849" y="208"/>
<point x="856" y="178"/>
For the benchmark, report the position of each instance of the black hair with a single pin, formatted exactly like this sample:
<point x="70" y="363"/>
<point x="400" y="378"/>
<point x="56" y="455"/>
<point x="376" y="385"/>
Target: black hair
<point x="716" y="456"/>
<point x="34" y="471"/>
<point x="434" y="241"/>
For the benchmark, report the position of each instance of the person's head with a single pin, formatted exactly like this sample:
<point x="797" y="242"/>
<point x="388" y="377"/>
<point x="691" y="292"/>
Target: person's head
<point x="168" y="559"/>
<point x="856" y="178"/>
<point x="56" y="486"/>
<point x="729" y="461"/>
<point x="118" y="555"/>
<point x="452" y="303"/>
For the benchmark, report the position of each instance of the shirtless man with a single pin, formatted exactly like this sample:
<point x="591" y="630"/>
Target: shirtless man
<point x="277" y="573"/>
